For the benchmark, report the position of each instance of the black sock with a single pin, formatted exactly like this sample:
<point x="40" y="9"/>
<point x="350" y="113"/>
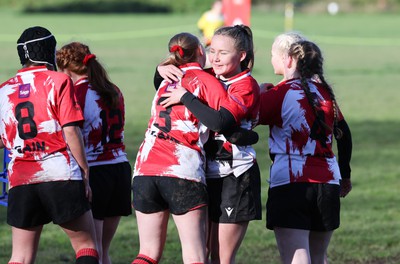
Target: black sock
<point x="87" y="260"/>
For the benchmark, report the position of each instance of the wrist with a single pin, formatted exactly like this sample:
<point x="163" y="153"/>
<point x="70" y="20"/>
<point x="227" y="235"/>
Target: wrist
<point x="186" y="97"/>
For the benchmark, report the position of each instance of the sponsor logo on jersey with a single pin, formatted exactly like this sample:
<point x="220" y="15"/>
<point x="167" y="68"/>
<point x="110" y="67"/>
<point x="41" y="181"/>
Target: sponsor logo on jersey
<point x="34" y="146"/>
<point x="229" y="211"/>
<point x="24" y="90"/>
<point x="164" y="136"/>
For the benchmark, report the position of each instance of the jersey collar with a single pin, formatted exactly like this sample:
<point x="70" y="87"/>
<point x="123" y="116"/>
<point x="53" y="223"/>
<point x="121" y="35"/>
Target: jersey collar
<point x="238" y="77"/>
<point x="190" y="66"/>
<point x="81" y="81"/>
<point x="32" y="69"/>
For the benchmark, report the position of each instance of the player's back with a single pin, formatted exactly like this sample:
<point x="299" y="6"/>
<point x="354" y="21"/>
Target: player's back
<point x="34" y="106"/>
<point x="174" y="140"/>
<point x="103" y="128"/>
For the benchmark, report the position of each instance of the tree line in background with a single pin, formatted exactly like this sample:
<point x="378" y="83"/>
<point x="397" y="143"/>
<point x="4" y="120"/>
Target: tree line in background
<point x="195" y="6"/>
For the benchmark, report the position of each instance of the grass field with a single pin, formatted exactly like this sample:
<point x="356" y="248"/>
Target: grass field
<point x="362" y="62"/>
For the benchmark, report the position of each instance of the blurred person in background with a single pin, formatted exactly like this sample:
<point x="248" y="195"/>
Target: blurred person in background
<point x="210" y="21"/>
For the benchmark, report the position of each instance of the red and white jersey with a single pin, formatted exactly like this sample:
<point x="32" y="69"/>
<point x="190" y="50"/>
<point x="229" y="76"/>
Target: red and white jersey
<point x="301" y="146"/>
<point x="103" y="129"/>
<point x="173" y="144"/>
<point x="34" y="105"/>
<point x="244" y="97"/>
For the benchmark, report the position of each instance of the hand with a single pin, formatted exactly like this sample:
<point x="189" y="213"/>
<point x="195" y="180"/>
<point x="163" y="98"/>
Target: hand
<point x="170" y="73"/>
<point x="265" y="87"/>
<point x="173" y="97"/>
<point x="345" y="187"/>
<point x="88" y="190"/>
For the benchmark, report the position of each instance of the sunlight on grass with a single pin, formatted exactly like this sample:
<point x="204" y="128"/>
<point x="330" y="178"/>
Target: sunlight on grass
<point x="362" y="63"/>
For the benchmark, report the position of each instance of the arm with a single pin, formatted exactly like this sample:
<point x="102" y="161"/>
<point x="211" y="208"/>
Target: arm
<point x="211" y="118"/>
<point x="74" y="140"/>
<point x="345" y="147"/>
<point x="265" y="87"/>
<point x="170" y="73"/>
<point x="240" y="136"/>
<point x="221" y="121"/>
<point x="157" y="80"/>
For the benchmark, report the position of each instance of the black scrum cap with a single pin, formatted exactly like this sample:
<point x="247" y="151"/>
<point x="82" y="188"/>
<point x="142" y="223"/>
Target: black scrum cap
<point x="38" y="45"/>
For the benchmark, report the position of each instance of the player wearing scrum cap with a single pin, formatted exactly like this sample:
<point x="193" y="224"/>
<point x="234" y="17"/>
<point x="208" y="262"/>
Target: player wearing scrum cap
<point x="48" y="171"/>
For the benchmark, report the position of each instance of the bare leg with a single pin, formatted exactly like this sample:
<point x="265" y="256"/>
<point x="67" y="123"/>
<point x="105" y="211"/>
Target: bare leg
<point x="81" y="232"/>
<point x="326" y="259"/>
<point x="98" y="225"/>
<point x="319" y="242"/>
<point x="213" y="244"/>
<point x="25" y="242"/>
<point x="208" y="239"/>
<point x="293" y="245"/>
<point x="110" y="225"/>
<point x="152" y="233"/>
<point x="192" y="233"/>
<point x="227" y="239"/>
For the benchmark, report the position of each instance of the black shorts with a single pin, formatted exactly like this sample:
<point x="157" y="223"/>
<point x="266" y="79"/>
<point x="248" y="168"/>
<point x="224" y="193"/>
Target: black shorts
<point x="235" y="199"/>
<point x="158" y="193"/>
<point x="308" y="206"/>
<point x="111" y="189"/>
<point x="38" y="204"/>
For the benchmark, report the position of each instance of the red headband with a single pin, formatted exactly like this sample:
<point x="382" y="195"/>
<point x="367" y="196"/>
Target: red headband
<point x="88" y="57"/>
<point x="177" y="48"/>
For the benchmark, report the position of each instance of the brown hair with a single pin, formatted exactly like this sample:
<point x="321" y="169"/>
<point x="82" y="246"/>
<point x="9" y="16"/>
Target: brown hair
<point x="77" y="58"/>
<point x="243" y="38"/>
<point x="183" y="49"/>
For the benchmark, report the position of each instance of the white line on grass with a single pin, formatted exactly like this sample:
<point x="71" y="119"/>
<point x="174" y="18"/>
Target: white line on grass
<point x="263" y="34"/>
<point x="105" y="36"/>
<point x="336" y="40"/>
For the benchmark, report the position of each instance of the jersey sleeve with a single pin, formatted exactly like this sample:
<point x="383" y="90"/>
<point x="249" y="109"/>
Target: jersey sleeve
<point x="271" y="106"/>
<point x="206" y="101"/>
<point x="157" y="80"/>
<point x="345" y="148"/>
<point x="215" y="120"/>
<point x="219" y="120"/>
<point x="205" y="87"/>
<point x="242" y="98"/>
<point x="69" y="109"/>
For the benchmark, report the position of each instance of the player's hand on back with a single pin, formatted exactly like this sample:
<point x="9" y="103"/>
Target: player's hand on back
<point x="170" y="73"/>
<point x="265" y="87"/>
<point x="173" y="96"/>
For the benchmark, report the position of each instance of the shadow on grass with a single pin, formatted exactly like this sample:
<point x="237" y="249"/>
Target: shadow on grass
<point x="3" y="215"/>
<point x="134" y="6"/>
<point x="373" y="202"/>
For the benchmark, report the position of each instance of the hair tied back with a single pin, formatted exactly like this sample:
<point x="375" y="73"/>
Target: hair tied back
<point x="88" y="57"/>
<point x="177" y="48"/>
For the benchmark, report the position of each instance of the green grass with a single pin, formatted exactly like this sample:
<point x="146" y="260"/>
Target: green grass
<point x="362" y="62"/>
